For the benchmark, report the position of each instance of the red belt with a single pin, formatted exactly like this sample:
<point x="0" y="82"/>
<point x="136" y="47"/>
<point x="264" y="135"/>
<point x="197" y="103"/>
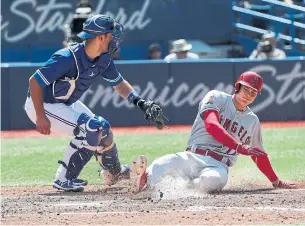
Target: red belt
<point x="209" y="153"/>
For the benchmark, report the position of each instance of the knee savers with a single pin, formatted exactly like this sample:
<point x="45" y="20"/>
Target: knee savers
<point x="97" y="129"/>
<point x="100" y="136"/>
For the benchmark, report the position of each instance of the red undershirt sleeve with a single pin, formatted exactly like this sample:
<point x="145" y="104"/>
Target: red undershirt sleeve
<point x="213" y="127"/>
<point x="264" y="165"/>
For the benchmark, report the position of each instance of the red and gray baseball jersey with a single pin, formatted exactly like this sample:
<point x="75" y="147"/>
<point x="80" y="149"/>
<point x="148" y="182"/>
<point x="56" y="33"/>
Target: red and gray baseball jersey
<point x="243" y="126"/>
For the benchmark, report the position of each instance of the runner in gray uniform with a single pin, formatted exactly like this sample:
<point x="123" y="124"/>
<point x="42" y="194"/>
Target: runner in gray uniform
<point x="224" y="128"/>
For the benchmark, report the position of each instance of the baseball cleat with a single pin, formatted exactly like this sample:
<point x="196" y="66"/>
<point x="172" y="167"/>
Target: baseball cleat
<point x="67" y="186"/>
<point x="79" y="182"/>
<point x="142" y="182"/>
<point x="111" y="179"/>
<point x="139" y="172"/>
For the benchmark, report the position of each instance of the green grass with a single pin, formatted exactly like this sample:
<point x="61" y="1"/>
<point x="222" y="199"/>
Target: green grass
<point x="33" y="162"/>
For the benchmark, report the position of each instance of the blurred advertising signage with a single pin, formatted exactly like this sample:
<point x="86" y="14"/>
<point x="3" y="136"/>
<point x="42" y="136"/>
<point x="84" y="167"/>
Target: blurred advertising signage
<point x="23" y="18"/>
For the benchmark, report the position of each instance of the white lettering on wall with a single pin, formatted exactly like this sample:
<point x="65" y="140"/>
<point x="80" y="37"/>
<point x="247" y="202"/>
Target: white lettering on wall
<point x="286" y="92"/>
<point x="53" y="15"/>
<point x="184" y="94"/>
<point x="135" y="21"/>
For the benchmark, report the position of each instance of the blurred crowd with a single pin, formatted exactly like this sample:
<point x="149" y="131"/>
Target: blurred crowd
<point x="267" y="47"/>
<point x="180" y="49"/>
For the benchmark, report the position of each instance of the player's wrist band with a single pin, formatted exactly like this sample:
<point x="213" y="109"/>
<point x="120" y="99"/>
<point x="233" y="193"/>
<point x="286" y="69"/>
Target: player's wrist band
<point x="237" y="147"/>
<point x="134" y="98"/>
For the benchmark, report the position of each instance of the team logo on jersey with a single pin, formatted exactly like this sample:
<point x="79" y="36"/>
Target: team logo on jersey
<point x="210" y="100"/>
<point x="91" y="75"/>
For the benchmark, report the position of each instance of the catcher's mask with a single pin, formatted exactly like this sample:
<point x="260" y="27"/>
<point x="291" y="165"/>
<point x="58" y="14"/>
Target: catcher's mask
<point x="250" y="79"/>
<point x="102" y="24"/>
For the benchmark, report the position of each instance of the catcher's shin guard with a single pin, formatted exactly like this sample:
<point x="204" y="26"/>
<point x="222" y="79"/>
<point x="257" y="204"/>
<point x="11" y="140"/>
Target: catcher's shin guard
<point x="112" y="169"/>
<point x="109" y="160"/>
<point x="113" y="178"/>
<point x="77" y="162"/>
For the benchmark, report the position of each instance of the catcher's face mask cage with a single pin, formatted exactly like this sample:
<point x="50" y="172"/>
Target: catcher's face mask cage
<point x="102" y="24"/>
<point x="117" y="33"/>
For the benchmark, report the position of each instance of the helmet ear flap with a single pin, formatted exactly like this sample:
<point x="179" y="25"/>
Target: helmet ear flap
<point x="236" y="87"/>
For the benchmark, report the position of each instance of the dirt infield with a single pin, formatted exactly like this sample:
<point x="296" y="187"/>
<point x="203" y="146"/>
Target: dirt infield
<point x="239" y="203"/>
<point x="115" y="205"/>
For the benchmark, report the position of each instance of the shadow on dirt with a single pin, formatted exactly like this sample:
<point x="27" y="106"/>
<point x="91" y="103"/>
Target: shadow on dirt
<point x="102" y="191"/>
<point x="248" y="191"/>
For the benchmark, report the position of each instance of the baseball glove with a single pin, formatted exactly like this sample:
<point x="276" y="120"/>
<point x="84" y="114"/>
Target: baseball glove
<point x="153" y="114"/>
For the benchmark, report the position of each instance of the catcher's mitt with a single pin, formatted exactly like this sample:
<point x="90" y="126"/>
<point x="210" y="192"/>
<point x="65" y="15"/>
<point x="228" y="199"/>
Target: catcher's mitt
<point x="153" y="114"/>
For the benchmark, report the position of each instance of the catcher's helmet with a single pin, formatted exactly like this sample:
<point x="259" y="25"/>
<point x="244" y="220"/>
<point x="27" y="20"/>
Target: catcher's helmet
<point x="102" y="24"/>
<point x="251" y="79"/>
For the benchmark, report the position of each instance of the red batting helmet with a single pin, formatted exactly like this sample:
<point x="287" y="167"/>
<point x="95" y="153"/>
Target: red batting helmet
<point x="251" y="79"/>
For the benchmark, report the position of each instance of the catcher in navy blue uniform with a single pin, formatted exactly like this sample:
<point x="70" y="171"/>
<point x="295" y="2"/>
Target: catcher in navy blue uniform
<point x="53" y="102"/>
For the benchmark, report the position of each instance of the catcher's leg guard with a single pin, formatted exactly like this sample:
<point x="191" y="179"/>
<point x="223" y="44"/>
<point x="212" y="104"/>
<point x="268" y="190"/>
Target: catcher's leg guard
<point x="76" y="163"/>
<point x="99" y="137"/>
<point x="110" y="160"/>
<point x="112" y="169"/>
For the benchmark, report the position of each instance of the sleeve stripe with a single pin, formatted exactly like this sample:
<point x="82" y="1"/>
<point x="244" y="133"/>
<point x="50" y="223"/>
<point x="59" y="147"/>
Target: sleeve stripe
<point x="209" y="108"/>
<point x="114" y="80"/>
<point x="42" y="77"/>
<point x="206" y="109"/>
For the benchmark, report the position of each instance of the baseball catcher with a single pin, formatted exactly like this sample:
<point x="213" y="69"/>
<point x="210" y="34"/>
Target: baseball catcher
<point x="224" y="128"/>
<point x="53" y="102"/>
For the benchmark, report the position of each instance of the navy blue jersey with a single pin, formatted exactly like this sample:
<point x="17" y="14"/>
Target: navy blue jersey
<point x="70" y="72"/>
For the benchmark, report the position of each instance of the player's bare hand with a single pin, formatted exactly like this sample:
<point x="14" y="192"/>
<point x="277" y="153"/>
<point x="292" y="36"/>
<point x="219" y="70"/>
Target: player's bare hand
<point x="248" y="150"/>
<point x="43" y="125"/>
<point x="283" y="185"/>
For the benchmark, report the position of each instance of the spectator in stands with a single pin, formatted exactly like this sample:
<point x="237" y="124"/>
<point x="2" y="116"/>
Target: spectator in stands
<point x="84" y="9"/>
<point x="180" y="50"/>
<point x="296" y="2"/>
<point x="154" y="52"/>
<point x="266" y="49"/>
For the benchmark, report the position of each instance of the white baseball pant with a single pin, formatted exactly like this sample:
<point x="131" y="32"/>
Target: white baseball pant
<point x="206" y="173"/>
<point x="63" y="120"/>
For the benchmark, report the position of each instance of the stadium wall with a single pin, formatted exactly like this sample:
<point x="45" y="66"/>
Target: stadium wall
<point x="178" y="87"/>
